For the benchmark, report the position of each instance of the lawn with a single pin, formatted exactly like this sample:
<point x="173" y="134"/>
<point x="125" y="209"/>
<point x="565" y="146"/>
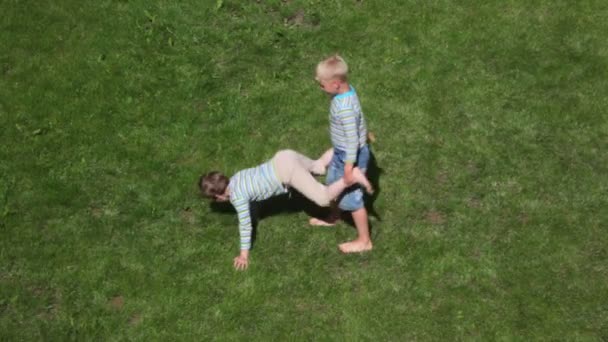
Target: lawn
<point x="490" y="219"/>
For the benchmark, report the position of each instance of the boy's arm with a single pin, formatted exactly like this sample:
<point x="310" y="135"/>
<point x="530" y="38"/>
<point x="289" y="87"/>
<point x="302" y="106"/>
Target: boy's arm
<point x="242" y="209"/>
<point x="348" y="119"/>
<point x="348" y="173"/>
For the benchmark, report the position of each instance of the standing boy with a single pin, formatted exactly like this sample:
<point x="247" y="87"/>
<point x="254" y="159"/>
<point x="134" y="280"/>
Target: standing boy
<point x="348" y="136"/>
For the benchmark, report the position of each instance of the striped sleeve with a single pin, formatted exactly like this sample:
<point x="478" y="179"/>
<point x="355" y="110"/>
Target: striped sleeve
<point x="242" y="209"/>
<point x="348" y="120"/>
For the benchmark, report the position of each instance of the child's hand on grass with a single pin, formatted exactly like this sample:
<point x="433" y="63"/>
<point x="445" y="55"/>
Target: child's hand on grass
<point x="242" y="260"/>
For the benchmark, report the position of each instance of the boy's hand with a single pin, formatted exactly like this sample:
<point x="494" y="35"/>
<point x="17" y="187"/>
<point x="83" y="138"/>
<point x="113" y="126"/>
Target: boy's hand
<point x="348" y="174"/>
<point x="242" y="260"/>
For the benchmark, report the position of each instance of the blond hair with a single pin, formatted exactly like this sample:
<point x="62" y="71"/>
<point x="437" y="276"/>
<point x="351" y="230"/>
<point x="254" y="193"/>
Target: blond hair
<point x="333" y="67"/>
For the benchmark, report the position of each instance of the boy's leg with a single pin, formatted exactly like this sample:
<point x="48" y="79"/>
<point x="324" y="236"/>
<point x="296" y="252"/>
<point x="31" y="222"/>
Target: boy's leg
<point x="353" y="201"/>
<point x="363" y="241"/>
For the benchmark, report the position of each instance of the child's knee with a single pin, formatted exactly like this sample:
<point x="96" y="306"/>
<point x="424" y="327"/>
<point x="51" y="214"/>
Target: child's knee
<point x="352" y="201"/>
<point x="318" y="168"/>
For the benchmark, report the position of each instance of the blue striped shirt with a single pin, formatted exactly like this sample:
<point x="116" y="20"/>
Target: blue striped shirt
<point x="347" y="127"/>
<point x="254" y="184"/>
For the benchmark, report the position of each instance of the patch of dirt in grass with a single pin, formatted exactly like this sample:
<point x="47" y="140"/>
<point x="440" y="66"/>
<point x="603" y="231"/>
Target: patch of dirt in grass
<point x="442" y="177"/>
<point x="199" y="106"/>
<point x="476" y="253"/>
<point x="255" y="134"/>
<point x="187" y="215"/>
<point x="96" y="212"/>
<point x="135" y="319"/>
<point x="39" y="291"/>
<point x="117" y="303"/>
<point x="435" y="217"/>
<point x="472" y="168"/>
<point x="473" y="202"/>
<point x="50" y="312"/>
<point x="52" y="299"/>
<point x="524" y="218"/>
<point x="301" y="19"/>
<point x="296" y="19"/>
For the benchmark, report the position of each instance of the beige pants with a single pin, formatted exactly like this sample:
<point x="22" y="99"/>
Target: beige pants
<point x="294" y="169"/>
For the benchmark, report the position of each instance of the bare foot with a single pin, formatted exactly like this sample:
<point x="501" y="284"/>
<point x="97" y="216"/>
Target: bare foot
<point x="361" y="179"/>
<point x="318" y="222"/>
<point x="355" y="246"/>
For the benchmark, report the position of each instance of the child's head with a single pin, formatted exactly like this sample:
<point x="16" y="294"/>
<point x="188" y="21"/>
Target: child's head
<point x="213" y="185"/>
<point x="332" y="73"/>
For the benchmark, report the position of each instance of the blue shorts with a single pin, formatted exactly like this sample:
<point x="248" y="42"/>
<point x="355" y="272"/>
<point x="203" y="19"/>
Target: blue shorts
<point x="352" y="198"/>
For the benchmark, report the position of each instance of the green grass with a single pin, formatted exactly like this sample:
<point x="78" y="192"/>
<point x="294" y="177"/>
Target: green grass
<point x="492" y="137"/>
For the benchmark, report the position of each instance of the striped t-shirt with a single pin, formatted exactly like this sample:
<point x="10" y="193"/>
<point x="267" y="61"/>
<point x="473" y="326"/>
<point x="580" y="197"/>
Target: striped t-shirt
<point x="254" y="184"/>
<point x="347" y="127"/>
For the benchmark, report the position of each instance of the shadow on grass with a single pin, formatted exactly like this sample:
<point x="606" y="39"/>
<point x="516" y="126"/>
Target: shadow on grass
<point x="283" y="204"/>
<point x="373" y="174"/>
<point x="288" y="203"/>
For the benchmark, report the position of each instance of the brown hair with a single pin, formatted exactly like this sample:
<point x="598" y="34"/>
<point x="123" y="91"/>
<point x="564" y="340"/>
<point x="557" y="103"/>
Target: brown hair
<point x="212" y="184"/>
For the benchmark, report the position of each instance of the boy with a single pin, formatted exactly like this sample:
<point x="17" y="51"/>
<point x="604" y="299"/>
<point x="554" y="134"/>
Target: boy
<point x="286" y="168"/>
<point x="348" y="134"/>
